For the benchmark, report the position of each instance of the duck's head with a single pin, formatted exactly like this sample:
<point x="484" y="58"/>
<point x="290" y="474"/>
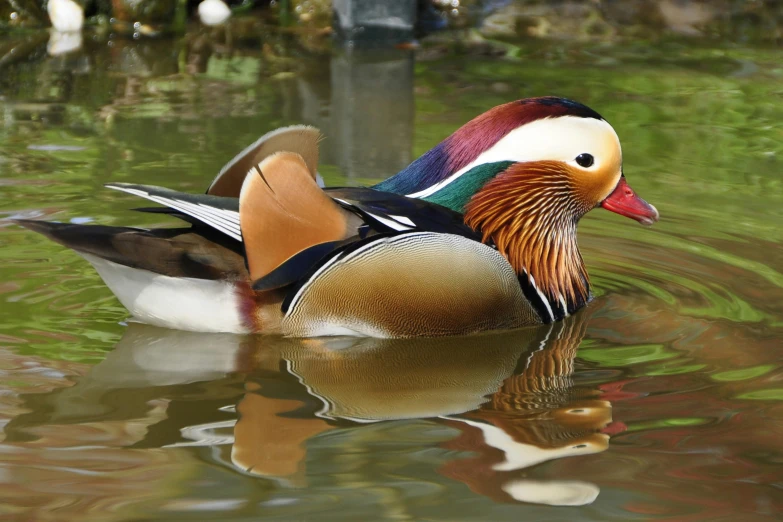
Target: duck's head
<point x="523" y="174"/>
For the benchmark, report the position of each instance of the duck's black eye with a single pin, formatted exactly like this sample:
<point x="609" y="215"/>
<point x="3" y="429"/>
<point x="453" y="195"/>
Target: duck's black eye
<point x="585" y="160"/>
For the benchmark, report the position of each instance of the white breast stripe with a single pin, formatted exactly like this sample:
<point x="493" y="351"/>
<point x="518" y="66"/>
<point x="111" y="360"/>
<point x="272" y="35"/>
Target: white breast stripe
<point x="542" y="296"/>
<point x="563" y="304"/>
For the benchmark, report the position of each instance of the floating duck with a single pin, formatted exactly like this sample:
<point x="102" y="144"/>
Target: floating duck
<point x="477" y="234"/>
<point x="66" y="15"/>
<point x="213" y="12"/>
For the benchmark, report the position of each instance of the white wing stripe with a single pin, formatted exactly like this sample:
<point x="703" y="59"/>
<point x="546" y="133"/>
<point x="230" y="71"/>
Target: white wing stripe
<point x="177" y="205"/>
<point x="399" y="223"/>
<point x="219" y="220"/>
<point x="226" y="221"/>
<point x="135" y="192"/>
<point x="217" y="214"/>
<point x="228" y="216"/>
<point x="390" y="222"/>
<point x="402" y="219"/>
<point x="189" y="209"/>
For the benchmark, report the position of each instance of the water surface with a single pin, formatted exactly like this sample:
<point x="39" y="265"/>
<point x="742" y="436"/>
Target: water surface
<point x="663" y="400"/>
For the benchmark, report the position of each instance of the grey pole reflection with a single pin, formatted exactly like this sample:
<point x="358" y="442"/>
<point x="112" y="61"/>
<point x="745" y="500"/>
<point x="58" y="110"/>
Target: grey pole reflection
<point x="369" y="126"/>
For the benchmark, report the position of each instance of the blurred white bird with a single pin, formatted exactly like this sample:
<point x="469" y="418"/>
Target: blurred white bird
<point x="66" y="15"/>
<point x="61" y="42"/>
<point x="213" y="12"/>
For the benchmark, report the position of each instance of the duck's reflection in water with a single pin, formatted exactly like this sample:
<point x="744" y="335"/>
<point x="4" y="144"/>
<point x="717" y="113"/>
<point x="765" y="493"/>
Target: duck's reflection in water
<point x="510" y="395"/>
<point x="536" y="415"/>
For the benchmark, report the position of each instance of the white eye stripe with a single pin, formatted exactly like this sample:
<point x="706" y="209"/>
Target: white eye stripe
<point x="548" y="139"/>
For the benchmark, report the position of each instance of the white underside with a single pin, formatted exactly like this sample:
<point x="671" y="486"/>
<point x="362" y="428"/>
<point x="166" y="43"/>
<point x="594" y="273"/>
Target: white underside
<point x="198" y="305"/>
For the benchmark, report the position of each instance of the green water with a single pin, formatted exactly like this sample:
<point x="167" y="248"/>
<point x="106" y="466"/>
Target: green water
<point x="661" y="401"/>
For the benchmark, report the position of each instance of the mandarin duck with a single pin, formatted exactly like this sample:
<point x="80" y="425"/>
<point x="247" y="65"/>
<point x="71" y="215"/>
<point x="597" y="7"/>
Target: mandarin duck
<point x="477" y="234"/>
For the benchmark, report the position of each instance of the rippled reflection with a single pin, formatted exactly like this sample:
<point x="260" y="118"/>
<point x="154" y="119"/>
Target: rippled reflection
<point x="508" y="397"/>
<point x="311" y="421"/>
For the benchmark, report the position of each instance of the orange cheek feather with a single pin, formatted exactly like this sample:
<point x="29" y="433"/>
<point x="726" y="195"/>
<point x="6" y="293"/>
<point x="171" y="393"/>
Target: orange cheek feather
<point x="590" y="188"/>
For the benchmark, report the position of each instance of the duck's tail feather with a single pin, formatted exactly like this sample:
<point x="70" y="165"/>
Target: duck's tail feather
<point x="175" y="252"/>
<point x="175" y="278"/>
